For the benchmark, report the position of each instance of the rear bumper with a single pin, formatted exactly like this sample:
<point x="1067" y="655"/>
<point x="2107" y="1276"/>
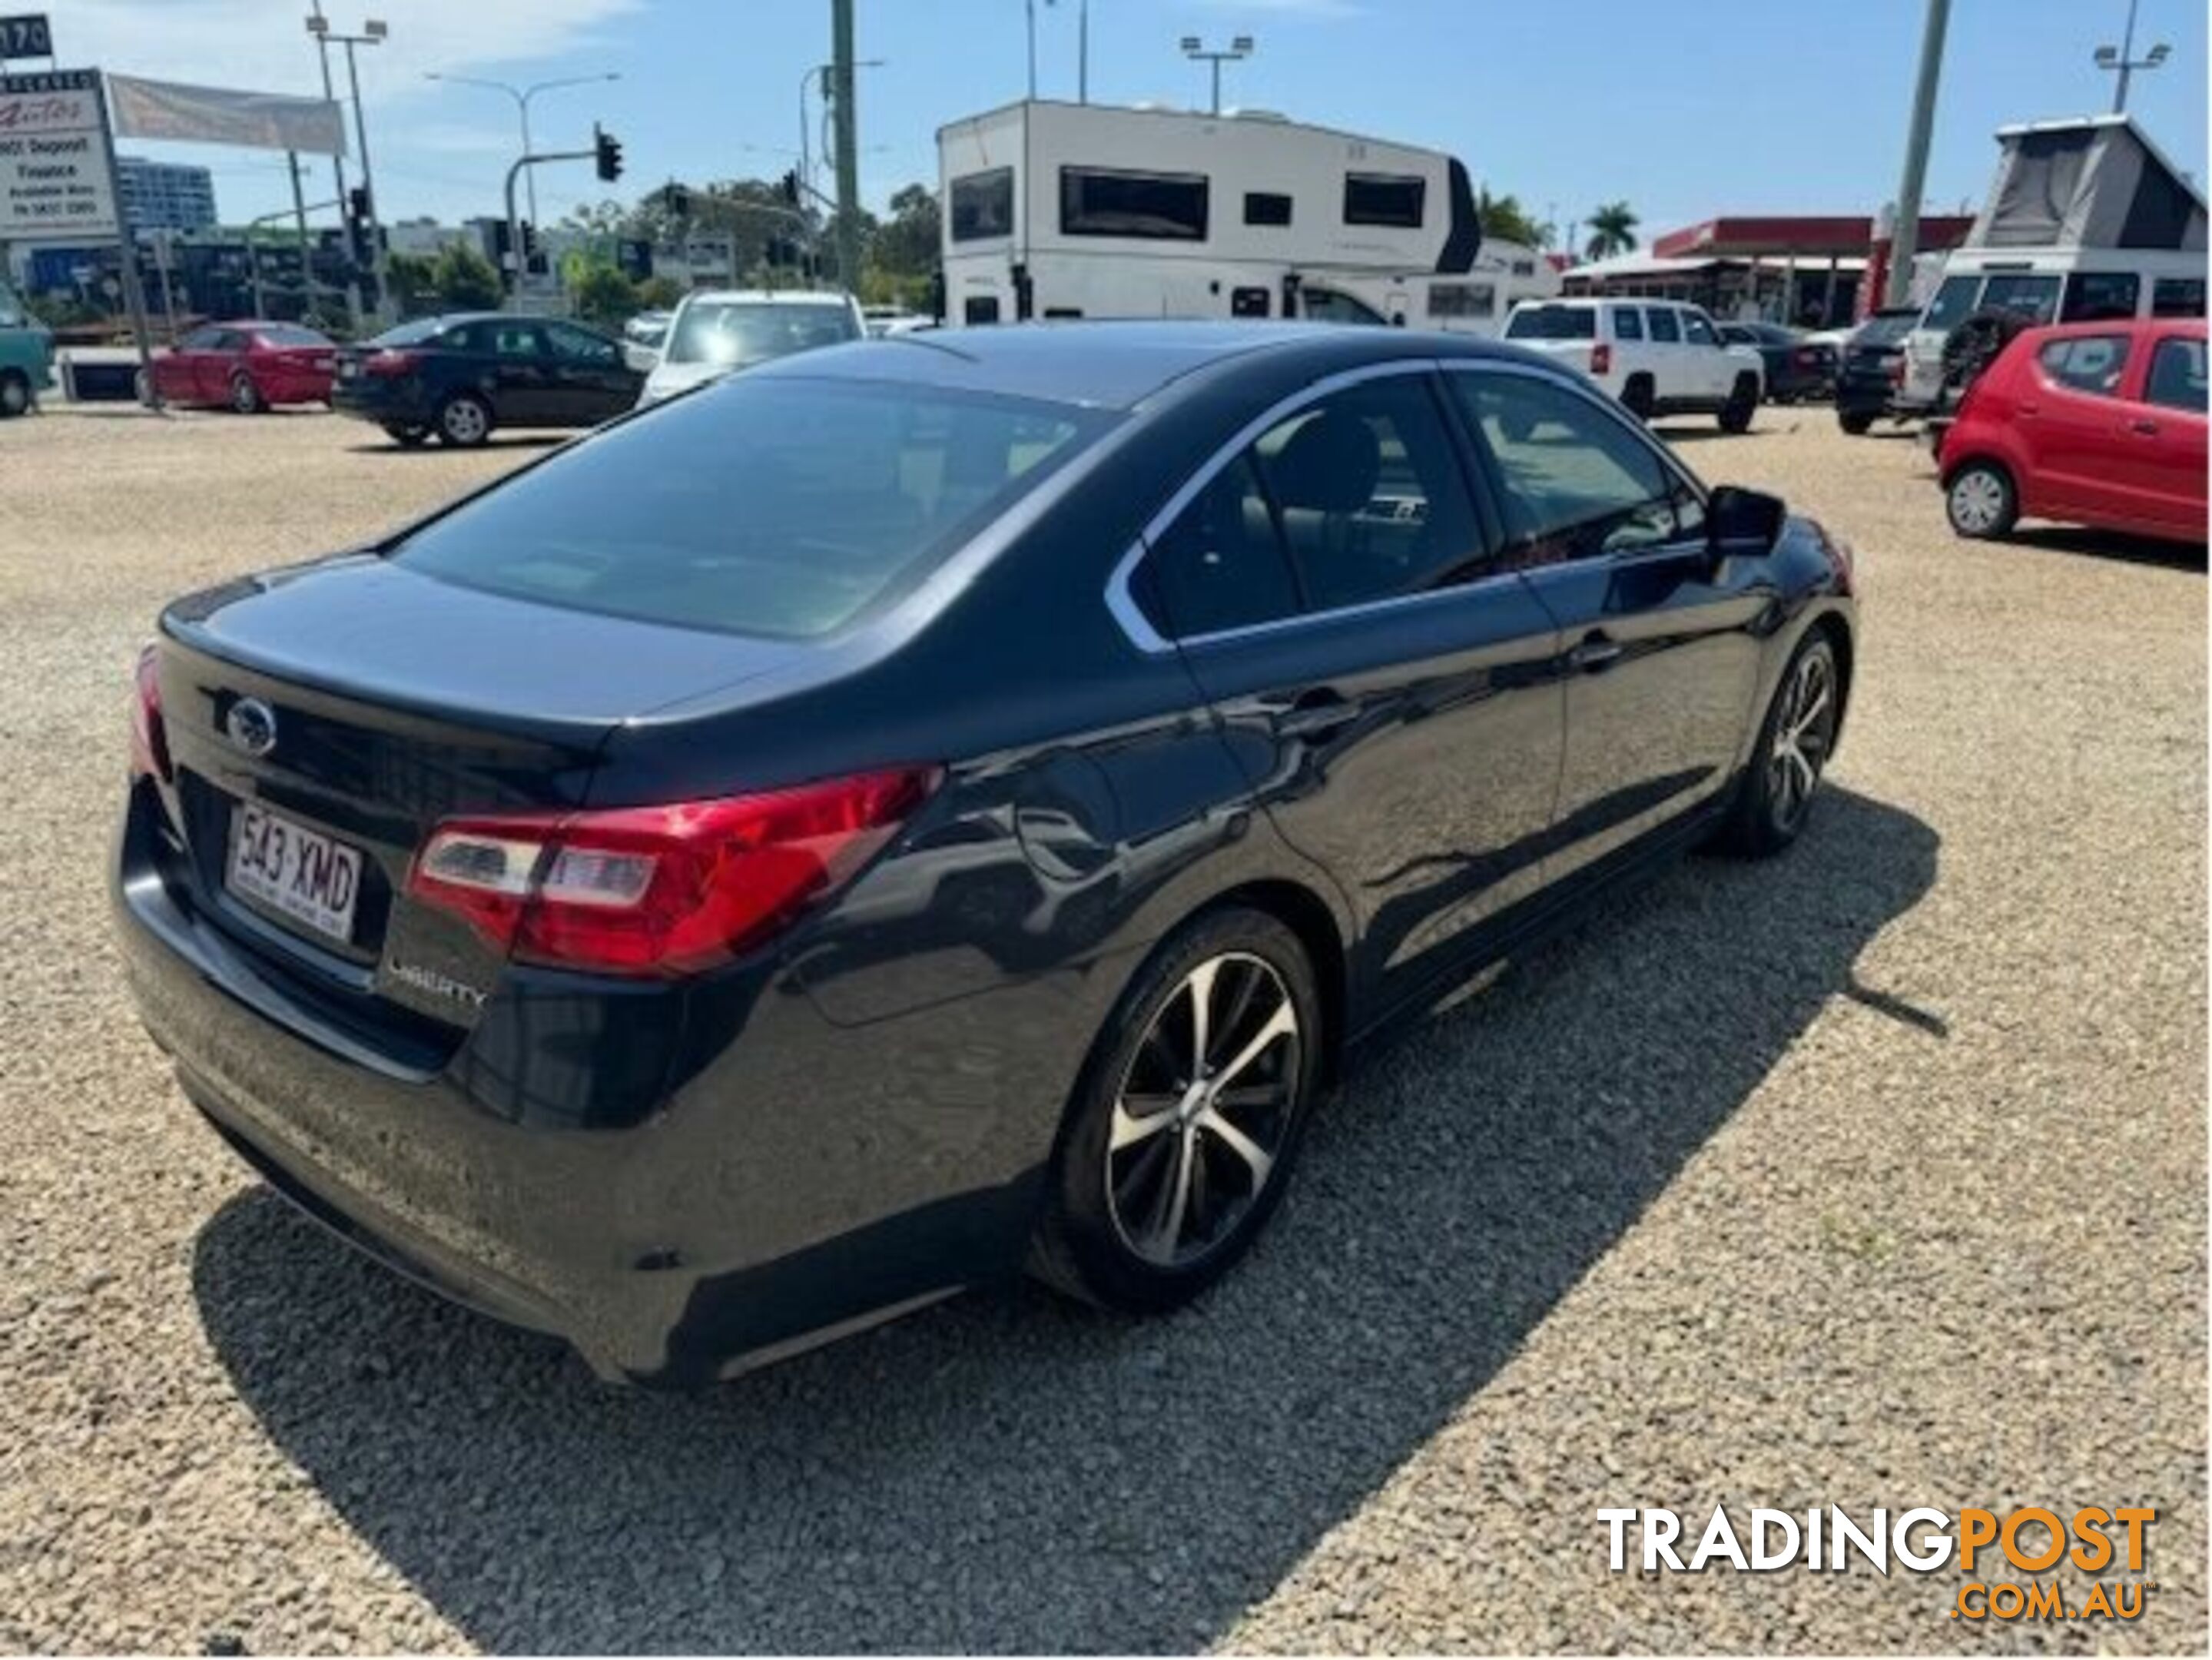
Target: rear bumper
<point x="787" y="1191"/>
<point x="381" y="400"/>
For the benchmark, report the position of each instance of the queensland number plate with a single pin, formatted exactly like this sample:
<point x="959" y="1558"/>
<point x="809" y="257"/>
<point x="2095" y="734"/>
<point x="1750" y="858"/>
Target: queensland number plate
<point x="290" y="869"/>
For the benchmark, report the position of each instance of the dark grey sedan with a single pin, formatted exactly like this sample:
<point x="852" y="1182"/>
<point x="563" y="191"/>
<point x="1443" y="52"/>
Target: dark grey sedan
<point x="934" y="807"/>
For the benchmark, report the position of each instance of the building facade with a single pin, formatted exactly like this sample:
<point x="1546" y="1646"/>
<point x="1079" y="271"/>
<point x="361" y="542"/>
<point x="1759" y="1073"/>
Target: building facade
<point x="165" y="195"/>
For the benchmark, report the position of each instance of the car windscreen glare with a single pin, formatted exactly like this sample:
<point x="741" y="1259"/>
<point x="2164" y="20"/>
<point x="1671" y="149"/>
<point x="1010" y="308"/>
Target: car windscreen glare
<point x="1552" y="323"/>
<point x="784" y="508"/>
<point x="409" y="334"/>
<point x="727" y="332"/>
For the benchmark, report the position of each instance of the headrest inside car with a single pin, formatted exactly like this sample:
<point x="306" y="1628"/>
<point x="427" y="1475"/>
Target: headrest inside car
<point x="1330" y="464"/>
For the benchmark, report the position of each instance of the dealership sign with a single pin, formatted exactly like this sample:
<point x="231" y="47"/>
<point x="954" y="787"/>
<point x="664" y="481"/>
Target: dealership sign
<point x="55" y="180"/>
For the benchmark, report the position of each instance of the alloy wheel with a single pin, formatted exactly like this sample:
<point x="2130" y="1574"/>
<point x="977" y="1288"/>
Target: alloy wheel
<point x="244" y="398"/>
<point x="1205" y="1110"/>
<point x="1804" y="733"/>
<point x="463" y="420"/>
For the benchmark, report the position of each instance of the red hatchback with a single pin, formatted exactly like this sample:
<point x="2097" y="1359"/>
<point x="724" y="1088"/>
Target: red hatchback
<point x="247" y="367"/>
<point x="2090" y="423"/>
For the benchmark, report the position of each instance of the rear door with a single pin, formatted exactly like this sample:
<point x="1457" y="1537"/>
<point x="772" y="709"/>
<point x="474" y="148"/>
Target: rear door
<point x="2165" y="440"/>
<point x="1671" y="376"/>
<point x="1391" y="693"/>
<point x="591" y="382"/>
<point x="1659" y="642"/>
<point x="176" y="372"/>
<point x="222" y="355"/>
<point x="2070" y="419"/>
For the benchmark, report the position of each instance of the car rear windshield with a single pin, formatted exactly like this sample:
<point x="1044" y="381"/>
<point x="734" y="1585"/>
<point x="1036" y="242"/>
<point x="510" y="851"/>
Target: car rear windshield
<point x="724" y="333"/>
<point x="291" y="334"/>
<point x="1552" y="323"/>
<point x="783" y="507"/>
<point x="1885" y="330"/>
<point x="410" y="334"/>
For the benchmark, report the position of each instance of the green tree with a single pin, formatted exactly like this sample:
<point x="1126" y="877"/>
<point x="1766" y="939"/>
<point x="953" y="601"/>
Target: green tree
<point x="1612" y="230"/>
<point x="909" y="242"/>
<point x="464" y="279"/>
<point x="603" y="295"/>
<point x="1504" y="217"/>
<point x="659" y="293"/>
<point x="414" y="281"/>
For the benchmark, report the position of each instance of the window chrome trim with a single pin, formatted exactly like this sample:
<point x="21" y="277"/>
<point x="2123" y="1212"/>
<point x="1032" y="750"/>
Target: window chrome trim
<point x="1121" y="601"/>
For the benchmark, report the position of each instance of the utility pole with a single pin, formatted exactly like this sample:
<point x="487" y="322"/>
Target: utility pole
<point x="306" y="249"/>
<point x="849" y="148"/>
<point x="2125" y="61"/>
<point x="1904" y="237"/>
<point x="319" y="26"/>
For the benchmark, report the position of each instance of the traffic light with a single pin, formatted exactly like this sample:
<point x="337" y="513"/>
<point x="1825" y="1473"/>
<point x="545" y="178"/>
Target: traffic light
<point x="787" y="187"/>
<point x="529" y="240"/>
<point x="608" y="152"/>
<point x="679" y="201"/>
<point x="357" y="202"/>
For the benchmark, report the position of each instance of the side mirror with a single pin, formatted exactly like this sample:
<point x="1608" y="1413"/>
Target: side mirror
<point x="1743" y="522"/>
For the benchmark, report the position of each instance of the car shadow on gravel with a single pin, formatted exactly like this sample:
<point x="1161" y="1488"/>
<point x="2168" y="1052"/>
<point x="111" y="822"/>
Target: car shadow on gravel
<point x="1006" y="1472"/>
<point x="2116" y="545"/>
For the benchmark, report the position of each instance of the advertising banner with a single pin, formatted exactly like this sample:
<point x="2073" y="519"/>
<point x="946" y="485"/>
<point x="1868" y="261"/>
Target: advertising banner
<point x="55" y="181"/>
<point x="216" y="115"/>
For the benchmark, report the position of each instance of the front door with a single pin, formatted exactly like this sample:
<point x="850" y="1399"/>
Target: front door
<point x="1660" y="646"/>
<point x="591" y="382"/>
<point x="513" y="364"/>
<point x="2165" y="440"/>
<point x="1391" y="693"/>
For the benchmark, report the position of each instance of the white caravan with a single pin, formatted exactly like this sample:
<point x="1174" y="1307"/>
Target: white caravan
<point x="1056" y="209"/>
<point x="2087" y="219"/>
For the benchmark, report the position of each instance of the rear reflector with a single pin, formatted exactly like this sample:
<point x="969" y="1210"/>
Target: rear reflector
<point x="149" y="738"/>
<point x="660" y="890"/>
<point x="1601" y="358"/>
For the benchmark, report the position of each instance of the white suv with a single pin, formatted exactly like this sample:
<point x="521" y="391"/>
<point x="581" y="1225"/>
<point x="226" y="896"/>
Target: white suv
<point x="717" y="329"/>
<point x="1657" y="357"/>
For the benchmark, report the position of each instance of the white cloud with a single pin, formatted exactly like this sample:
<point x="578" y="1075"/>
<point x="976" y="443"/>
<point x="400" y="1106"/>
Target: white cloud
<point x="263" y="46"/>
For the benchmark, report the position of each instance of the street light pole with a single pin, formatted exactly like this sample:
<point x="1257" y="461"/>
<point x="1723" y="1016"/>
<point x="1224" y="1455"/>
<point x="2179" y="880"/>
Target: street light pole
<point x="522" y="95"/>
<point x="1237" y="50"/>
<point x="319" y="28"/>
<point x="371" y="35"/>
<point x="2125" y="61"/>
<point x="1904" y="235"/>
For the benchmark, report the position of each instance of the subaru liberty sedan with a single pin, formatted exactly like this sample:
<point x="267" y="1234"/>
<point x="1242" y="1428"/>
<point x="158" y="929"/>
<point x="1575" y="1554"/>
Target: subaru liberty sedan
<point x="934" y="807"/>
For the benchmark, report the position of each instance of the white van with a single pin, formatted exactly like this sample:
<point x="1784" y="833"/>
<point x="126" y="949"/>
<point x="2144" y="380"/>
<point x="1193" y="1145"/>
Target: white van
<point x="717" y="329"/>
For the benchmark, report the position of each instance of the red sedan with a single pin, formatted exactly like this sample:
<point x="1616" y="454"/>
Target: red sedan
<point x="2090" y="423"/>
<point x="247" y="367"/>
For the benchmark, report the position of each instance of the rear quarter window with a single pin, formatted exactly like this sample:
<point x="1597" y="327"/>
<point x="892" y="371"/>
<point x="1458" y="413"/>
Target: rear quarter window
<point x="1552" y="323"/>
<point x="2088" y="363"/>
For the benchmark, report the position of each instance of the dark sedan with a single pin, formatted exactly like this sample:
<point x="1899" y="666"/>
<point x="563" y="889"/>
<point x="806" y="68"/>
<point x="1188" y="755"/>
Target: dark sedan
<point x="1796" y="369"/>
<point x="1873" y="369"/>
<point x="461" y="378"/>
<point x="935" y="806"/>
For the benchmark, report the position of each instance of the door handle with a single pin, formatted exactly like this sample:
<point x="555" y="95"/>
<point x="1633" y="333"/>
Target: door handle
<point x="2030" y="409"/>
<point x="2148" y="429"/>
<point x="1593" y="652"/>
<point x="1317" y="716"/>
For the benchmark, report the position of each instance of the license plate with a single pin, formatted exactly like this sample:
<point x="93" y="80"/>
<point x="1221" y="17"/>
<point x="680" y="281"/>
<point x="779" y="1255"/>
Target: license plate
<point x="290" y="869"/>
<point x="348" y="368"/>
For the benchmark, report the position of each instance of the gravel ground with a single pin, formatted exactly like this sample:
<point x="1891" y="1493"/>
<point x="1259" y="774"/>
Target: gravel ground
<point x="1873" y="1176"/>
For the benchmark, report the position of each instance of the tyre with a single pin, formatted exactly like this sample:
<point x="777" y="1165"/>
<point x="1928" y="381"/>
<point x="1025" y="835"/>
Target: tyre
<point x="1183" y="1131"/>
<point x="245" y="397"/>
<point x="405" y="435"/>
<point x="1795" y="741"/>
<point x="15" y="394"/>
<point x="1637" y="397"/>
<point x="465" y="420"/>
<point x="1743" y="403"/>
<point x="1980" y="501"/>
<point x="142" y="388"/>
<point x="1857" y="422"/>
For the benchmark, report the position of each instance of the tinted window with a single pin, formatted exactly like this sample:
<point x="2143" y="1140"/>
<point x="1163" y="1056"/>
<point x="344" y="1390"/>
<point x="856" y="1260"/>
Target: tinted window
<point x="1664" y="326"/>
<point x="1368" y="492"/>
<point x="412" y="334"/>
<point x="2177" y="296"/>
<point x="226" y="340"/>
<point x="1161" y="206"/>
<point x="576" y="346"/>
<point x="1576" y="481"/>
<point x="2091" y="296"/>
<point x="774" y="507"/>
<point x="730" y="332"/>
<point x="2091" y="364"/>
<point x="285" y="335"/>
<point x="2177" y="375"/>
<point x="202" y="339"/>
<point x="1384" y="199"/>
<point x="1552" y="323"/>
<point x="1885" y="330"/>
<point x="2035" y="298"/>
<point x="983" y="205"/>
<point x="1220" y="565"/>
<point x="1627" y="323"/>
<point x="1698" y="328"/>
<point x="1953" y="303"/>
<point x="980" y="308"/>
<point x="1736" y="335"/>
<point x="1265" y="208"/>
<point x="498" y="337"/>
<point x="1462" y="300"/>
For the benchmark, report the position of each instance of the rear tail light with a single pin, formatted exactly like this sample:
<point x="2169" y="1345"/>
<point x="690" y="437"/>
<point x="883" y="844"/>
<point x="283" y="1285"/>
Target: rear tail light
<point x="1806" y="357"/>
<point x="1897" y="370"/>
<point x="660" y="890"/>
<point x="391" y="362"/>
<point x="149" y="739"/>
<point x="1601" y="358"/>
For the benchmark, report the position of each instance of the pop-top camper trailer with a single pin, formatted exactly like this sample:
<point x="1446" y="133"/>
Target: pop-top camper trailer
<point x="2086" y="219"/>
<point x="1057" y="210"/>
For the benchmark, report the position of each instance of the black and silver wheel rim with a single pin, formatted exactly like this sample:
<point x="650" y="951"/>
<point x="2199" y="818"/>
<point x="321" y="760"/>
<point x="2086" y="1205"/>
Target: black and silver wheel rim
<point x="243" y="398"/>
<point x="1204" y="1111"/>
<point x="15" y="396"/>
<point x="465" y="421"/>
<point x="1978" y="501"/>
<point x="1804" y="733"/>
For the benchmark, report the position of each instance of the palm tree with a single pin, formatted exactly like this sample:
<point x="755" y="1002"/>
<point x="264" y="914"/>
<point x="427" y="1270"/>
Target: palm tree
<point x="1613" y="231"/>
<point x="1504" y="217"/>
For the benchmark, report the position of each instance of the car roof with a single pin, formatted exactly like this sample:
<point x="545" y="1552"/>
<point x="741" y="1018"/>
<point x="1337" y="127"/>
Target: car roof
<point x="1110" y="364"/>
<point x="2129" y="325"/>
<point x="771" y="297"/>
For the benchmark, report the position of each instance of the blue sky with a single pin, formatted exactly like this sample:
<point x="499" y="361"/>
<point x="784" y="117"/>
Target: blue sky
<point x="1684" y="110"/>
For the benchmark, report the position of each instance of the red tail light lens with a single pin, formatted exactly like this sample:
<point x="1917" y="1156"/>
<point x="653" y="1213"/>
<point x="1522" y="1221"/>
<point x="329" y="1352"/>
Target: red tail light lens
<point x="1601" y="358"/>
<point x="149" y="739"/>
<point x="661" y="890"/>
<point x="1897" y="370"/>
<point x="390" y="363"/>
